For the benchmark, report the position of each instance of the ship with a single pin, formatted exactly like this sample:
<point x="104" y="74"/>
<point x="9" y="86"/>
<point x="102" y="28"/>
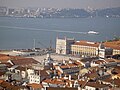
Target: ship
<point x="92" y="32"/>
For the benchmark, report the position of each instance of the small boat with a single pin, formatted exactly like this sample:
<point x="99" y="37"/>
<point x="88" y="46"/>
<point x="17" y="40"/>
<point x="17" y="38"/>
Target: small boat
<point x="92" y="32"/>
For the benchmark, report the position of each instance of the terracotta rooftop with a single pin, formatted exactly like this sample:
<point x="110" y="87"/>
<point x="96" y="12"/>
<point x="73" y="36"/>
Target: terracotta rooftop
<point x="72" y="65"/>
<point x="7" y="64"/>
<point x="78" y="63"/>
<point x="35" y="86"/>
<point x="108" y="79"/>
<point x="64" y="66"/>
<point x="115" y="81"/>
<point x="58" y="72"/>
<point x="110" y="60"/>
<point x="5" y="58"/>
<point x="21" y="68"/>
<point x="43" y="73"/>
<point x="118" y="74"/>
<point x="96" y="85"/>
<point x="8" y="86"/>
<point x="54" y="81"/>
<point x="92" y="75"/>
<point x="86" y="43"/>
<point x="60" y="88"/>
<point x="99" y="62"/>
<point x="24" y="61"/>
<point x="69" y="65"/>
<point x="82" y="83"/>
<point x="62" y="81"/>
<point x="117" y="69"/>
<point x="113" y="44"/>
<point x="1" y="81"/>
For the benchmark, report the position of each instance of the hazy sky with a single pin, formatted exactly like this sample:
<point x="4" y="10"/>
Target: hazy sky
<point x="61" y="3"/>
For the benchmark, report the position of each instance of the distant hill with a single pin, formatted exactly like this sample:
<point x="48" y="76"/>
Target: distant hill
<point x="67" y="13"/>
<point x="59" y="13"/>
<point x="109" y="12"/>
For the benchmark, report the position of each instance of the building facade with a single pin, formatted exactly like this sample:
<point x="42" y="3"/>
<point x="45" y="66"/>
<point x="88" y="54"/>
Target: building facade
<point x="116" y="51"/>
<point x="90" y="49"/>
<point x="84" y="48"/>
<point x="115" y="45"/>
<point x="63" y="46"/>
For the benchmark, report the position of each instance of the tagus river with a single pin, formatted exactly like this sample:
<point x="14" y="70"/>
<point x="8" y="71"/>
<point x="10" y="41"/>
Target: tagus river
<point x="18" y="33"/>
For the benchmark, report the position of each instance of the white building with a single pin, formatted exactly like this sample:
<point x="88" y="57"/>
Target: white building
<point x="104" y="52"/>
<point x="36" y="76"/>
<point x="33" y="77"/>
<point x="63" y="46"/>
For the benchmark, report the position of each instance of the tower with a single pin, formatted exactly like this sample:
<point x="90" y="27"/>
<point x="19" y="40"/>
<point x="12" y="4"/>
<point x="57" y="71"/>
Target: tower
<point x="63" y="46"/>
<point x="101" y="50"/>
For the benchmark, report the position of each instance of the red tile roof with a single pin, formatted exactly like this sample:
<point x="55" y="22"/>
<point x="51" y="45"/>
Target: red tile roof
<point x="24" y="61"/>
<point x="96" y="85"/>
<point x="5" y="58"/>
<point x="61" y="88"/>
<point x="21" y="68"/>
<point x="35" y="86"/>
<point x="1" y="81"/>
<point x="86" y="43"/>
<point x="117" y="82"/>
<point x="7" y="64"/>
<point x="99" y="62"/>
<point x="113" y="44"/>
<point x="69" y="65"/>
<point x="82" y="83"/>
<point x="9" y="86"/>
<point x="54" y="81"/>
<point x="112" y="60"/>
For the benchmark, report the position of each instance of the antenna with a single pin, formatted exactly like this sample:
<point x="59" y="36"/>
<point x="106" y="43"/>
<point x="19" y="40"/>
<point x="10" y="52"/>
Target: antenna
<point x="50" y="45"/>
<point x="34" y="44"/>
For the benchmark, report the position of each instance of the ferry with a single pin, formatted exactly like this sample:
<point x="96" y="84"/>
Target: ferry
<point x="92" y="32"/>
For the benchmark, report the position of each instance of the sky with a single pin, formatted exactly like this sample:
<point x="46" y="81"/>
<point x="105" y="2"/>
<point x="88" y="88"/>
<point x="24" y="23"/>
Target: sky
<point x="61" y="3"/>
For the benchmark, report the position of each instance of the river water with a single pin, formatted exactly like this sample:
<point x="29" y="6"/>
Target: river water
<point x="18" y="33"/>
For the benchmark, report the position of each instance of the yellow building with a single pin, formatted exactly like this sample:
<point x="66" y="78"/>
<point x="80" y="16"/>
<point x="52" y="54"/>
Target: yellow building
<point x="115" y="51"/>
<point x="85" y="48"/>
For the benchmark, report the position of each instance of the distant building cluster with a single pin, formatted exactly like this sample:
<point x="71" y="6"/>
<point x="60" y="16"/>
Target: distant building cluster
<point x="58" y="12"/>
<point x="98" y="68"/>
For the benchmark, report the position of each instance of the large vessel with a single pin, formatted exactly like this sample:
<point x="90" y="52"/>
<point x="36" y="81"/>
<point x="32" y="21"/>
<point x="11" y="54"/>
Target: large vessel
<point x="92" y="32"/>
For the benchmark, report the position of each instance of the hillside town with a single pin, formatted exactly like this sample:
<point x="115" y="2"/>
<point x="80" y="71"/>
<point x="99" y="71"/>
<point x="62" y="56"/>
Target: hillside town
<point x="73" y="65"/>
